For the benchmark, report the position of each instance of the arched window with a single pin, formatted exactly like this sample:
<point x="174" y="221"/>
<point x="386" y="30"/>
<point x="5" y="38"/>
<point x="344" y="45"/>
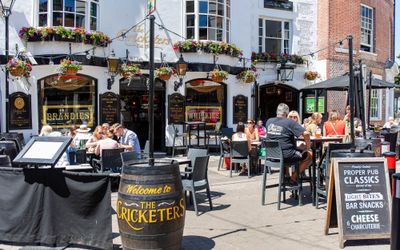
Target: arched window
<point x="69" y="13"/>
<point x="208" y="20"/>
<point x="64" y="101"/>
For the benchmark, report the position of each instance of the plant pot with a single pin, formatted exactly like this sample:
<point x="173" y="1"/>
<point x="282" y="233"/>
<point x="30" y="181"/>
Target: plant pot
<point x="49" y="37"/>
<point x="217" y="78"/>
<point x="164" y="77"/>
<point x="70" y="72"/>
<point x="126" y="74"/>
<point x="16" y="72"/>
<point x="34" y="38"/>
<point x="249" y="80"/>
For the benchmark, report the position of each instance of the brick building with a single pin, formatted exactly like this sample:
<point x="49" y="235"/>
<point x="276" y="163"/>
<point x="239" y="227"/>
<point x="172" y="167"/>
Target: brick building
<point x="370" y="22"/>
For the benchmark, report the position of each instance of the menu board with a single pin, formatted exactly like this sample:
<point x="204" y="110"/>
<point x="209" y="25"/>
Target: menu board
<point x="240" y="108"/>
<point x="176" y="108"/>
<point x="20" y="115"/>
<point x="363" y="198"/>
<point x="109" y="108"/>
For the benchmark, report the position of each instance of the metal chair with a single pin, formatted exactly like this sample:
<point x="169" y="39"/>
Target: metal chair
<point x="5" y="161"/>
<point x="10" y="148"/>
<point x="224" y="152"/>
<point x="177" y="135"/>
<point x="392" y="139"/>
<point x="274" y="159"/>
<point x="193" y="153"/>
<point x="322" y="170"/>
<point x="216" y="133"/>
<point x="129" y="156"/>
<point x="18" y="137"/>
<point x="239" y="153"/>
<point x="80" y="156"/>
<point x="197" y="180"/>
<point x="110" y="161"/>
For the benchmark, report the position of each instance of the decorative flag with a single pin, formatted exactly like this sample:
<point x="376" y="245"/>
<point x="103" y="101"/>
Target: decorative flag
<point x="151" y="6"/>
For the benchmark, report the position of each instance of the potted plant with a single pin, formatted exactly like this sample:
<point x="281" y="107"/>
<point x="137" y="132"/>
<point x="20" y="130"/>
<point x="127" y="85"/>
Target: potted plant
<point x="165" y="73"/>
<point x="311" y="75"/>
<point x="29" y="34"/>
<point x="130" y="70"/>
<point x="247" y="76"/>
<point x="218" y="75"/>
<point x="46" y="33"/>
<point x="63" y="34"/>
<point x="18" y="68"/>
<point x="69" y="68"/>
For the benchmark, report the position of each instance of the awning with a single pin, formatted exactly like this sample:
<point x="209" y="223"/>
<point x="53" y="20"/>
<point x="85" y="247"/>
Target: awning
<point x="342" y="83"/>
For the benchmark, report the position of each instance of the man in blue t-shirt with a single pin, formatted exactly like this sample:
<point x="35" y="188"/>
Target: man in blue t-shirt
<point x="285" y="131"/>
<point x="128" y="139"/>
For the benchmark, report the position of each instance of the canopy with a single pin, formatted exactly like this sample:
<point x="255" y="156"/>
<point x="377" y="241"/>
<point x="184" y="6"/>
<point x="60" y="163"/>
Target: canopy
<point x="342" y="83"/>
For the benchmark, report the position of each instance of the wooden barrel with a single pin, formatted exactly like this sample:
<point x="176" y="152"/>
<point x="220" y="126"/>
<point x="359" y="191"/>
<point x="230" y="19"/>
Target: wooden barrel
<point x="151" y="206"/>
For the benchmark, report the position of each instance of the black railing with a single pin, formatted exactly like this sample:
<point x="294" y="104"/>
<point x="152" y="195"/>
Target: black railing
<point x="278" y="4"/>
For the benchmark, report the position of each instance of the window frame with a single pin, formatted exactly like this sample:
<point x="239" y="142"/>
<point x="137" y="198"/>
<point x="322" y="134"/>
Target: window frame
<point x="372" y="30"/>
<point x="262" y="46"/>
<point x="226" y="20"/>
<point x="87" y="15"/>
<point x="378" y="105"/>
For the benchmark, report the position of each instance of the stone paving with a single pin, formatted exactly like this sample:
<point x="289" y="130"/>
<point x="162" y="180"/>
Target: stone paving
<point x="239" y="221"/>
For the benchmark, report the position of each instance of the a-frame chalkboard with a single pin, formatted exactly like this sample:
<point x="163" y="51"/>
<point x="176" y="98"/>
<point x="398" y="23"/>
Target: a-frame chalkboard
<point x="359" y="191"/>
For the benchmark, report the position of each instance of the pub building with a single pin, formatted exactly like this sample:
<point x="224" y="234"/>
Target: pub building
<point x="278" y="38"/>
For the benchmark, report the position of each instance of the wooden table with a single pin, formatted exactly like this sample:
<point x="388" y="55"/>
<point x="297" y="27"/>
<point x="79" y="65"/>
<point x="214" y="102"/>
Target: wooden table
<point x="316" y="145"/>
<point x="197" y="125"/>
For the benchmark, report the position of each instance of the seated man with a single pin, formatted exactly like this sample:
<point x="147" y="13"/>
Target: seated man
<point x="128" y="139"/>
<point x="285" y="130"/>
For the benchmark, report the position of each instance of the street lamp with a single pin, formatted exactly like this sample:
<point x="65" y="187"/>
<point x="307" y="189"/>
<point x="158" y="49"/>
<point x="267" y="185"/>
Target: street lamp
<point x="6" y="7"/>
<point x="181" y="68"/>
<point x="285" y="71"/>
<point x="113" y="66"/>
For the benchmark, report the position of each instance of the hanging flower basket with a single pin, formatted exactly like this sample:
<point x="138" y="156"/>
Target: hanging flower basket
<point x="69" y="68"/>
<point x="311" y="75"/>
<point x="130" y="70"/>
<point x="247" y="76"/>
<point x="165" y="73"/>
<point x="18" y="68"/>
<point x="218" y="75"/>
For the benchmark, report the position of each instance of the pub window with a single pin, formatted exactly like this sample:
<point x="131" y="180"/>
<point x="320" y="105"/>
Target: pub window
<point x="69" y="13"/>
<point x="274" y="36"/>
<point x="208" y="20"/>
<point x="205" y="101"/>
<point x="66" y="101"/>
<point x="367" y="28"/>
<point x="375" y="109"/>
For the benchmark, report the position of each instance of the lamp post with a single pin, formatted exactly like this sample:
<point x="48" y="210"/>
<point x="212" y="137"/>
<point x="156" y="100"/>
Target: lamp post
<point x="181" y="69"/>
<point x="6" y="7"/>
<point x="113" y="66"/>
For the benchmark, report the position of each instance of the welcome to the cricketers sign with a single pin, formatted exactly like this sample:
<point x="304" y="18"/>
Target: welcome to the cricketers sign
<point x="363" y="198"/>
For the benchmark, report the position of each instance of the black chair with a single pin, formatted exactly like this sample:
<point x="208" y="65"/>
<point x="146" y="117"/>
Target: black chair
<point x="129" y="156"/>
<point x="80" y="156"/>
<point x="322" y="170"/>
<point x="193" y="153"/>
<point x="18" y="137"/>
<point x="216" y="134"/>
<point x="239" y="153"/>
<point x="5" y="161"/>
<point x="10" y="148"/>
<point x="197" y="180"/>
<point x="227" y="132"/>
<point x="274" y="159"/>
<point x="224" y="152"/>
<point x="392" y="139"/>
<point x="177" y="135"/>
<point x="110" y="161"/>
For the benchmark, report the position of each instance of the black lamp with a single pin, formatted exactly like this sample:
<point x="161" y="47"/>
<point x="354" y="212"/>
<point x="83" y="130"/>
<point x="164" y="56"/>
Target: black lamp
<point x="113" y="66"/>
<point x="181" y="69"/>
<point x="285" y="71"/>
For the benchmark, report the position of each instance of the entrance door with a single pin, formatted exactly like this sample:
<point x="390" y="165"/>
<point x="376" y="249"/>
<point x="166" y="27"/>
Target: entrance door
<point x="272" y="96"/>
<point x="134" y="110"/>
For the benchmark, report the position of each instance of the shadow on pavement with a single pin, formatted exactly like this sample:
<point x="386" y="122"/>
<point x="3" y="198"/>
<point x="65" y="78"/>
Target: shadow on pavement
<point x="197" y="242"/>
<point x="203" y="204"/>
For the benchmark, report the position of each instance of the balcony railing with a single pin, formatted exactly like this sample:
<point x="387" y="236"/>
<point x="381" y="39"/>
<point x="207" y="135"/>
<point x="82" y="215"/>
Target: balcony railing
<point x="278" y="4"/>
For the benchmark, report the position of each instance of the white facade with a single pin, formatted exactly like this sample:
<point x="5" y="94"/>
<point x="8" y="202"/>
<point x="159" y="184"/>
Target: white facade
<point x="115" y="18"/>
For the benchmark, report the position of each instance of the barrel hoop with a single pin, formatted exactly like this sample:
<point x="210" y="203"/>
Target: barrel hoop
<point x="172" y="196"/>
<point x="149" y="171"/>
<point x="141" y="237"/>
<point x="149" y="182"/>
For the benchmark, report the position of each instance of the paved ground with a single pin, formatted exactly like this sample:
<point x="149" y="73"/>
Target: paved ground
<point x="239" y="221"/>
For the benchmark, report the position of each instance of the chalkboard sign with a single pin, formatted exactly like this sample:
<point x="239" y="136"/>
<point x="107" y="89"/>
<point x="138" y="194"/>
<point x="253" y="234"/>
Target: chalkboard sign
<point x="20" y="115"/>
<point x="240" y="108"/>
<point x="363" y="198"/>
<point x="109" y="108"/>
<point x="176" y="108"/>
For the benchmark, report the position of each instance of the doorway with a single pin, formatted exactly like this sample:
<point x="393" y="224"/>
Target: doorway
<point x="270" y="96"/>
<point x="134" y="97"/>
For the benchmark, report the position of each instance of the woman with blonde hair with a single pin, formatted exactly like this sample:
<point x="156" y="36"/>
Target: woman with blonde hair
<point x="94" y="139"/>
<point x="334" y="126"/>
<point x="294" y="115"/>
<point x="46" y="130"/>
<point x="313" y="126"/>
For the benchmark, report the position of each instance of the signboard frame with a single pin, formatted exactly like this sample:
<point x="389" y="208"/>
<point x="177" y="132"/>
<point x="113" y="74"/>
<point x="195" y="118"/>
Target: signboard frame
<point x="64" y="142"/>
<point x="334" y="171"/>
<point x="18" y="102"/>
<point x="174" y="96"/>
<point x="311" y="101"/>
<point x="102" y="107"/>
<point x="235" y="114"/>
<point x="89" y="107"/>
<point x="188" y="108"/>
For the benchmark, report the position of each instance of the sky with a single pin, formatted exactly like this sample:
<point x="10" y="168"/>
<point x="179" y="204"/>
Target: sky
<point x="397" y="31"/>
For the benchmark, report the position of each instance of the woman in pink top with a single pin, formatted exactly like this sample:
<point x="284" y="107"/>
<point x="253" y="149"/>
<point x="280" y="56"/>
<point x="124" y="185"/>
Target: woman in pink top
<point x="261" y="129"/>
<point x="107" y="143"/>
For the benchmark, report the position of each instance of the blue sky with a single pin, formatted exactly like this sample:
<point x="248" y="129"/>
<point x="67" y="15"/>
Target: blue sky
<point x="397" y="36"/>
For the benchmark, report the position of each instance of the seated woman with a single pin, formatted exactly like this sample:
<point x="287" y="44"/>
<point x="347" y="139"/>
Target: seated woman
<point x="91" y="144"/>
<point x="262" y="131"/>
<point x="251" y="131"/>
<point x="294" y="115"/>
<point x="334" y="126"/>
<point x="240" y="135"/>
<point x="107" y="143"/>
<point x="313" y="126"/>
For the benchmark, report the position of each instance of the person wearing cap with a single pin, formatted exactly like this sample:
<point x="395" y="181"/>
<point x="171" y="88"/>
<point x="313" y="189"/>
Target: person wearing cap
<point x="128" y="139"/>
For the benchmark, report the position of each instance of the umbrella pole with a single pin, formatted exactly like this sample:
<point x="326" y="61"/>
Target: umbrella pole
<point x="369" y="98"/>
<point x="361" y="100"/>
<point x="315" y="100"/>
<point x="351" y="89"/>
